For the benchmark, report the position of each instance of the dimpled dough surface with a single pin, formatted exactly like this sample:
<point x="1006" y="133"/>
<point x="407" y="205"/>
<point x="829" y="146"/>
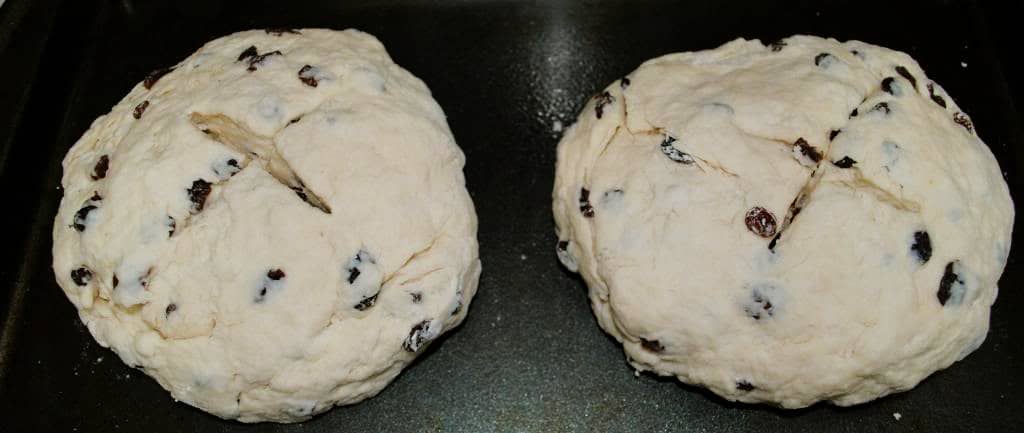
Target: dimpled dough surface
<point x="808" y="220"/>
<point x="195" y="240"/>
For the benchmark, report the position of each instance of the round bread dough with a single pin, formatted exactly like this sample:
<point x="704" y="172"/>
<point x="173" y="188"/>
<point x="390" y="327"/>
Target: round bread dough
<point x="808" y="220"/>
<point x="276" y="225"/>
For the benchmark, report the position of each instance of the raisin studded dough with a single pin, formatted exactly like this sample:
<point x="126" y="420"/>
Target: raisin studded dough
<point x="808" y="220"/>
<point x="274" y="226"/>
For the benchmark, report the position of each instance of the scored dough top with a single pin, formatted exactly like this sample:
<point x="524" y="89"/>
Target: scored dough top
<point x="275" y="225"/>
<point x="808" y="220"/>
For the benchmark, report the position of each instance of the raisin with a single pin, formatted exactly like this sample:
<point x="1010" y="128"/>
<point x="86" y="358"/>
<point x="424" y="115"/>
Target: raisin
<point x="172" y="225"/>
<point x="96" y="196"/>
<point x="761" y="222"/>
<point x="906" y="74"/>
<point x="761" y="305"/>
<point x="417" y="337"/>
<point x="416" y="297"/>
<point x="822" y="58"/>
<point x="155" y="76"/>
<point x="807" y="150"/>
<point x="295" y="120"/>
<point x="887" y="86"/>
<point x="744" y="385"/>
<point x="777" y="45"/>
<point x="170" y="309"/>
<point x="853" y="113"/>
<point x="964" y="120"/>
<point x="140" y="109"/>
<point x="922" y="246"/>
<point x="353" y="274"/>
<point x="275" y="274"/>
<point x="114" y="281"/>
<point x="624" y="83"/>
<point x="652" y="345"/>
<point x="949" y="278"/>
<point x="144" y="278"/>
<point x="563" y="245"/>
<point x="603" y="99"/>
<point x="81" y="276"/>
<point x="258" y="59"/>
<point x="675" y="154"/>
<point x="938" y="99"/>
<point x="249" y="52"/>
<point x="99" y="171"/>
<point x="845" y="162"/>
<point x="198" y="193"/>
<point x="366" y="303"/>
<point x="774" y="241"/>
<point x="308" y="75"/>
<point x="833" y="133"/>
<point x="882" y="106"/>
<point x="80" y="217"/>
<point x="278" y="31"/>
<point x="585" y="207"/>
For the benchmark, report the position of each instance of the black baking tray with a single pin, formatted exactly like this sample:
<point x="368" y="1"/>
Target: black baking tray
<point x="530" y="357"/>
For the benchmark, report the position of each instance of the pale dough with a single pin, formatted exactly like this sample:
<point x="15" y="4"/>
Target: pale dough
<point x="195" y="240"/>
<point x="803" y="221"/>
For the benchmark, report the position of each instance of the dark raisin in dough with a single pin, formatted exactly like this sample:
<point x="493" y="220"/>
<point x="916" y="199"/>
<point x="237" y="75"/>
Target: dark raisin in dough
<point x="882" y="106"/>
<point x="833" y="133"/>
<point x="938" y="99"/>
<point x="80" y="217"/>
<point x="652" y="345"/>
<point x="155" y="76"/>
<point x="777" y="45"/>
<point x="820" y="58"/>
<point x="417" y="297"/>
<point x="275" y="274"/>
<point x="845" y="162"/>
<point x="675" y="154"/>
<point x="964" y="120"/>
<point x="603" y="100"/>
<point x="585" y="207"/>
<point x="366" y="303"/>
<point x="922" y="246"/>
<point x="144" y="278"/>
<point x="140" y="109"/>
<point x="99" y="171"/>
<point x="417" y="337"/>
<point x="257" y="60"/>
<point x="114" y="281"/>
<point x="906" y="74"/>
<point x="761" y="305"/>
<point x="172" y="225"/>
<point x="887" y="85"/>
<point x="624" y="83"/>
<point x="308" y="76"/>
<point x="198" y="193"/>
<point x="170" y="309"/>
<point x="563" y="245"/>
<point x="249" y="52"/>
<point x="807" y="150"/>
<point x="744" y="385"/>
<point x="353" y="265"/>
<point x="947" y="283"/>
<point x="278" y="31"/>
<point x="96" y="196"/>
<point x="853" y="113"/>
<point x="761" y="222"/>
<point x="81" y="276"/>
<point x="774" y="241"/>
